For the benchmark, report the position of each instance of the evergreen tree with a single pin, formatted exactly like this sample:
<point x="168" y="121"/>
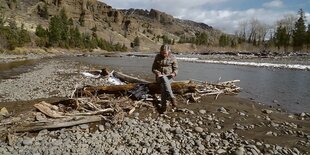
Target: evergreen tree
<point x="43" y="12"/>
<point x="282" y="38"/>
<point x="3" y="20"/>
<point x="224" y="40"/>
<point x="166" y="40"/>
<point x="40" y="31"/>
<point x="124" y="48"/>
<point x="59" y="30"/>
<point x="75" y="38"/>
<point x="201" y="38"/>
<point x="299" y="33"/>
<point x="54" y="34"/>
<point x="94" y="31"/>
<point x="308" y="37"/>
<point x="136" y="41"/>
<point x="64" y="23"/>
<point x="12" y="36"/>
<point x="24" y="36"/>
<point x="233" y="43"/>
<point x="43" y="36"/>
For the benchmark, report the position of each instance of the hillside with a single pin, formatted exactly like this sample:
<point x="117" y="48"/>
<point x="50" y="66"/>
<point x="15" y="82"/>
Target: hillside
<point x="153" y="27"/>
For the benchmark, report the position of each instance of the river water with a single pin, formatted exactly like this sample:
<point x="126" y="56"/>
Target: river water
<point x="287" y="88"/>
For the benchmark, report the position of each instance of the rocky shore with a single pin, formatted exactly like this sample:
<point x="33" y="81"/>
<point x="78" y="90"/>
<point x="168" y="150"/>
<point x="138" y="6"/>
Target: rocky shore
<point x="228" y="125"/>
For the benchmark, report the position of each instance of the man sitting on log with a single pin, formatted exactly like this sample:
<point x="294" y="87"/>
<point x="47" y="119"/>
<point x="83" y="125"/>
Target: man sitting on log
<point x="165" y="67"/>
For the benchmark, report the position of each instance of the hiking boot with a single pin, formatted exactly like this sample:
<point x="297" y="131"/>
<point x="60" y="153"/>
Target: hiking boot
<point x="162" y="110"/>
<point x="173" y="102"/>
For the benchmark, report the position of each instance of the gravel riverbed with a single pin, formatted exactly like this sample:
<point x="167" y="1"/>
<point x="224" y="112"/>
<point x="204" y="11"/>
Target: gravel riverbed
<point x="229" y="125"/>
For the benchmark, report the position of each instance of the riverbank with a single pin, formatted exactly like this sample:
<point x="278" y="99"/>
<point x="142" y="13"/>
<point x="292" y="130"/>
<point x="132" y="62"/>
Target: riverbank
<point x="224" y="126"/>
<point x="23" y="53"/>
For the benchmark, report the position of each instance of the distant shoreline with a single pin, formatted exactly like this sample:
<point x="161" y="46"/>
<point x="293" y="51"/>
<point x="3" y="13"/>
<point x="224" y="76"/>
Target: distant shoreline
<point x="257" y="59"/>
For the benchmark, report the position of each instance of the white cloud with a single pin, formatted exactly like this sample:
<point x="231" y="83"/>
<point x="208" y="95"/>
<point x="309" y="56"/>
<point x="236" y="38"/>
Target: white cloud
<point x="228" y="20"/>
<point x="274" y="4"/>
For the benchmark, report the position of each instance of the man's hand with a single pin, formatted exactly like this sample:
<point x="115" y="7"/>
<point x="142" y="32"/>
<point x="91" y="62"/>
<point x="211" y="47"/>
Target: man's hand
<point x="172" y="75"/>
<point x="158" y="74"/>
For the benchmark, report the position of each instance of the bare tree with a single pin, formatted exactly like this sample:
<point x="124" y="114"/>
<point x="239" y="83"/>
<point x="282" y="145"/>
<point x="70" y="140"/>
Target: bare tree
<point x="288" y="22"/>
<point x="241" y="33"/>
<point x="254" y="26"/>
<point x="262" y="31"/>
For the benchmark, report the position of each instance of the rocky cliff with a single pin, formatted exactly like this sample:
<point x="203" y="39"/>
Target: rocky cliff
<point x="114" y="25"/>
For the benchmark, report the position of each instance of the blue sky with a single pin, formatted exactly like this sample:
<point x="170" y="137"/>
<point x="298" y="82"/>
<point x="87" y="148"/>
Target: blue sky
<point x="221" y="14"/>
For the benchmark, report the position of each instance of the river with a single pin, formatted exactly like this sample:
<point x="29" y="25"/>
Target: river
<point x="288" y="89"/>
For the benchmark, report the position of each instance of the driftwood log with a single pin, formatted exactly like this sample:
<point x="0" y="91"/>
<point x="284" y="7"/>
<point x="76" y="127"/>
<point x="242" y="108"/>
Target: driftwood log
<point x="129" y="79"/>
<point x="59" y="124"/>
<point x="178" y="87"/>
<point x="48" y="110"/>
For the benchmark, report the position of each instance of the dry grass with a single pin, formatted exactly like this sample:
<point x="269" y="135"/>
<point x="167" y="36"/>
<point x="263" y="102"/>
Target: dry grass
<point x="27" y="50"/>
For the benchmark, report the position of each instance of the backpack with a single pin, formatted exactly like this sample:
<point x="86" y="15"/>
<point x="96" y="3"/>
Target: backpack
<point x="139" y="92"/>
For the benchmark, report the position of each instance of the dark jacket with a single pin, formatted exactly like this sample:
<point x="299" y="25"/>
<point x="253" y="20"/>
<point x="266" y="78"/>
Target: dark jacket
<point x="165" y="66"/>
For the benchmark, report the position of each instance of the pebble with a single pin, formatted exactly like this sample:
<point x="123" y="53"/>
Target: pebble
<point x="268" y="118"/>
<point x="223" y="110"/>
<point x="240" y="151"/>
<point x="221" y="151"/>
<point x="107" y="125"/>
<point x="218" y="127"/>
<point x="165" y="127"/>
<point x="84" y="126"/>
<point x="202" y="111"/>
<point x="296" y="150"/>
<point x="254" y="152"/>
<point x="303" y="114"/>
<point x="225" y="142"/>
<point x="114" y="152"/>
<point x="242" y="114"/>
<point x="210" y="118"/>
<point x="2" y="150"/>
<point x="40" y="117"/>
<point x="144" y="150"/>
<point x="267" y="111"/>
<point x="101" y="127"/>
<point x="178" y="130"/>
<point x="136" y="114"/>
<point x="4" y="112"/>
<point x="291" y="116"/>
<point x="27" y="141"/>
<point x="198" y="129"/>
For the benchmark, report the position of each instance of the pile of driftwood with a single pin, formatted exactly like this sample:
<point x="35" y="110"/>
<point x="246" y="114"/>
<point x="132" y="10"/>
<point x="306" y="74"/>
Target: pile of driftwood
<point x="178" y="87"/>
<point x="112" y="102"/>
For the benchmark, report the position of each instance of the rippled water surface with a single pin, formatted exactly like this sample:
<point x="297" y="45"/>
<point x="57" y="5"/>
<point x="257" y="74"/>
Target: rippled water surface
<point x="12" y="69"/>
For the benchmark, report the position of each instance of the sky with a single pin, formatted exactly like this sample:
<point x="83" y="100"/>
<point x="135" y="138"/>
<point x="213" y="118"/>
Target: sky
<point x="224" y="15"/>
